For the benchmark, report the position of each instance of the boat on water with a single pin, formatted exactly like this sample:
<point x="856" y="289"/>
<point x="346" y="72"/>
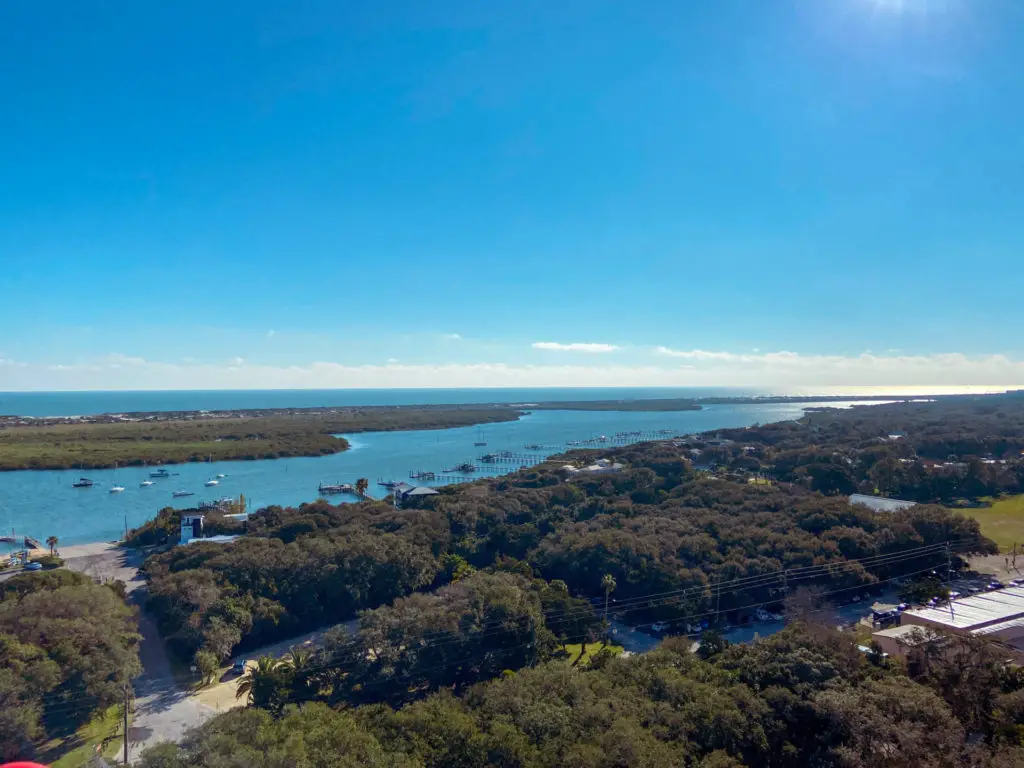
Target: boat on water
<point x="160" y="473"/>
<point x="211" y="483"/>
<point x="182" y="494"/>
<point x="145" y="483"/>
<point x="221" y="476"/>
<point x="389" y="484"/>
<point x="465" y="467"/>
<point x="117" y="489"/>
<point x="533" y="447"/>
<point x="82" y="482"/>
<point x="480" y="444"/>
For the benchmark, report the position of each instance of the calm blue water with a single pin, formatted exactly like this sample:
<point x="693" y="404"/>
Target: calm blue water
<point x="87" y="403"/>
<point x="41" y="504"/>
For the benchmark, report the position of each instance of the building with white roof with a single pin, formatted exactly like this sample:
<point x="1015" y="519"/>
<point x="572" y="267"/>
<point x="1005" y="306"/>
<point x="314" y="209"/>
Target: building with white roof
<point x="998" y="615"/>
<point x="881" y="504"/>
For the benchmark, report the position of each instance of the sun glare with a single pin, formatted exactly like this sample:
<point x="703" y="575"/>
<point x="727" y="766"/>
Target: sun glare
<point x="900" y="7"/>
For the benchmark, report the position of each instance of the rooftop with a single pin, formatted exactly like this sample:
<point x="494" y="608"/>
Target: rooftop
<point x="908" y="634"/>
<point x="880" y="504"/>
<point x="977" y="611"/>
<point x="420" y="491"/>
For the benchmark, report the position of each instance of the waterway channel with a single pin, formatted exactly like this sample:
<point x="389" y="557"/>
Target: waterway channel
<point x="43" y="503"/>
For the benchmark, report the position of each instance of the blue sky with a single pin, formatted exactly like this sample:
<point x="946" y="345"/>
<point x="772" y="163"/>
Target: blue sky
<point x="798" y="192"/>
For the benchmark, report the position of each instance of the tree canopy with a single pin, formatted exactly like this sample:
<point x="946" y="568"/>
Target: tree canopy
<point x="68" y="647"/>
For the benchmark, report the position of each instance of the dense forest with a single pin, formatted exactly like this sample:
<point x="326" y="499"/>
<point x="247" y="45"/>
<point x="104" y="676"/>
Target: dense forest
<point x="803" y="697"/>
<point x="956" y="450"/>
<point x="657" y="526"/>
<point x="68" y="648"/>
<point x="466" y="602"/>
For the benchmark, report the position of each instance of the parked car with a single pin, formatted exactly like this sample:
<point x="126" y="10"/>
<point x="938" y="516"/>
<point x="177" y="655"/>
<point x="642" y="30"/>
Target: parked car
<point x="238" y="668"/>
<point x="659" y="626"/>
<point x="33" y="566"/>
<point x="995" y="584"/>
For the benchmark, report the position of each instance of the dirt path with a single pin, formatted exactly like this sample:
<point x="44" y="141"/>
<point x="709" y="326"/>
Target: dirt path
<point x="163" y="710"/>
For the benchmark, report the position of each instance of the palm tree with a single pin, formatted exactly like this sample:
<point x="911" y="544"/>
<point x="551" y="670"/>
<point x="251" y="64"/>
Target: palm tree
<point x="261" y="683"/>
<point x="608" y="585"/>
<point x="361" y="485"/>
<point x="52" y="543"/>
<point x="298" y="665"/>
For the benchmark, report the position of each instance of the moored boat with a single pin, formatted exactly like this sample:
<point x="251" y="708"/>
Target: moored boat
<point x="82" y="482"/>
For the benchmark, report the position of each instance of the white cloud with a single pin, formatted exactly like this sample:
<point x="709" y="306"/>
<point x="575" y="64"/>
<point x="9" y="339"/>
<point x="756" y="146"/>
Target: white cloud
<point x="772" y="371"/>
<point x="697" y="354"/>
<point x="574" y="347"/>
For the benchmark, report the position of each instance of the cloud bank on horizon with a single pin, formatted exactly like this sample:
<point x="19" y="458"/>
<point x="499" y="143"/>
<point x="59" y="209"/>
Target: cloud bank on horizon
<point x="780" y="370"/>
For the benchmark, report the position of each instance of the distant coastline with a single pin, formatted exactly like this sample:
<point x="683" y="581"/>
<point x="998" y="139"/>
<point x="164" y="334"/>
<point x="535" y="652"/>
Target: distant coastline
<point x="156" y="438"/>
<point x="173" y="437"/>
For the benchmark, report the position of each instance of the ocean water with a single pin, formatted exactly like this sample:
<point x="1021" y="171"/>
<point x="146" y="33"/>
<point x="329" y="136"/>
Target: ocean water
<point x="43" y="503"/>
<point x="90" y="403"/>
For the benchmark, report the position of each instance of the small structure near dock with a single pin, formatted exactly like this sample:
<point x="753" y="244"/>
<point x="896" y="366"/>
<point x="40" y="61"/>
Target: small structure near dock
<point x="328" y="488"/>
<point x="191" y="527"/>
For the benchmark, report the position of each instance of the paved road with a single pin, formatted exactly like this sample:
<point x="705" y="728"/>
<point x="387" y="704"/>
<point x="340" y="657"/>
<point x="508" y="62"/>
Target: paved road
<point x="631" y="639"/>
<point x="163" y="711"/>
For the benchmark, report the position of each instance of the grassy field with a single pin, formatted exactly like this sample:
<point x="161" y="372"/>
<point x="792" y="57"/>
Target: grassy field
<point x="575" y="649"/>
<point x="76" y="750"/>
<point x="1003" y="521"/>
<point x="195" y="437"/>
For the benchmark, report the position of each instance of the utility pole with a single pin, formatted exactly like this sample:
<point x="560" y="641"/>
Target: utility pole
<point x="718" y="599"/>
<point x="127" y="699"/>
<point x="949" y="576"/>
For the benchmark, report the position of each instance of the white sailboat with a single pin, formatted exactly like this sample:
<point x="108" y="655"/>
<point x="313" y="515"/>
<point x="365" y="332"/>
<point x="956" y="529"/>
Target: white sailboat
<point x="146" y="483"/>
<point x="115" y="488"/>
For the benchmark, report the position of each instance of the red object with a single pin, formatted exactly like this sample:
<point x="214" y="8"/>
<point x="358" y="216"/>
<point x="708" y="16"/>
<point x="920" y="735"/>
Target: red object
<point x="22" y="765"/>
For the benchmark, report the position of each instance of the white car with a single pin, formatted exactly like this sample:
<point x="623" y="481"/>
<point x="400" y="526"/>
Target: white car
<point x="659" y="626"/>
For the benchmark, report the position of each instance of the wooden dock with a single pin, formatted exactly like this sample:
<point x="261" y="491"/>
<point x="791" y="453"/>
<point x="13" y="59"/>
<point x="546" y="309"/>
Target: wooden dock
<point x="508" y="457"/>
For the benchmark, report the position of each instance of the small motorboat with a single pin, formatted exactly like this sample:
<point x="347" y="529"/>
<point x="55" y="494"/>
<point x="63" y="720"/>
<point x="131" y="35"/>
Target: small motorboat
<point x="221" y="476"/>
<point x="211" y="483"/>
<point x="181" y="494"/>
<point x="117" y="489"/>
<point x="480" y="444"/>
<point x="145" y="483"/>
<point x="82" y="482"/>
<point x="160" y="473"/>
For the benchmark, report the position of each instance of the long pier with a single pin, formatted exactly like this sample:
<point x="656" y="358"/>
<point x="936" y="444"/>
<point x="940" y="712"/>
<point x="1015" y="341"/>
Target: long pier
<point x="502" y="462"/>
<point x="507" y="457"/>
